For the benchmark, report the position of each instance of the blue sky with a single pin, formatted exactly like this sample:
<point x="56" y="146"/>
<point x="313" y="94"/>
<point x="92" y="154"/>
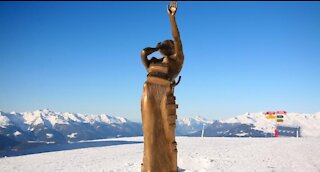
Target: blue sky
<point x="85" y="56"/>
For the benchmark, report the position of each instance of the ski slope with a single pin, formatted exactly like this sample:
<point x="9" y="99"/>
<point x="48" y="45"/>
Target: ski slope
<point x="194" y="154"/>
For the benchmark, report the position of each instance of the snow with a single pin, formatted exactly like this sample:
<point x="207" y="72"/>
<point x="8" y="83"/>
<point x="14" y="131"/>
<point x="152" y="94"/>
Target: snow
<point x="56" y="119"/>
<point x="72" y="135"/>
<point x="309" y="123"/>
<point x="242" y="134"/>
<point x="106" y="119"/>
<point x="196" y="120"/>
<point x="4" y="121"/>
<point x="258" y="119"/>
<point x="72" y="117"/>
<point x="38" y="121"/>
<point x="33" y="118"/>
<point x="194" y="154"/>
<point x="28" y="120"/>
<point x="17" y="133"/>
<point x="49" y="135"/>
<point x="122" y="119"/>
<point x="202" y="120"/>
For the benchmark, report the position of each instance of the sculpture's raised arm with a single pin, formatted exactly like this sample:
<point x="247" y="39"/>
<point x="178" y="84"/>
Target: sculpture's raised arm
<point x="172" y="9"/>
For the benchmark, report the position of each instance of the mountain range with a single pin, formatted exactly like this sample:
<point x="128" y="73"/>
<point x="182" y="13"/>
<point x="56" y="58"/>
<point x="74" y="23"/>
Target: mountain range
<point x="45" y="126"/>
<point x="28" y="129"/>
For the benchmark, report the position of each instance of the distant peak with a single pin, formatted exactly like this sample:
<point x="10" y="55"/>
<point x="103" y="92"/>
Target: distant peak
<point x="46" y="110"/>
<point x="122" y="119"/>
<point x="198" y="116"/>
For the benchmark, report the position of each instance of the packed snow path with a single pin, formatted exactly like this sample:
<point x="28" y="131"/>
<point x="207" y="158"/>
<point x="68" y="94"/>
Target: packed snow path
<point x="194" y="154"/>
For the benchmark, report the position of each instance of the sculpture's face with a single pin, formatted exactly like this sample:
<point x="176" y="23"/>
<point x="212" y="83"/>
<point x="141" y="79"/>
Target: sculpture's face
<point x="167" y="48"/>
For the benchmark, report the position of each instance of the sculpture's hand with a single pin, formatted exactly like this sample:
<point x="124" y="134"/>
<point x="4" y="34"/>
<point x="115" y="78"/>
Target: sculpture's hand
<point x="172" y="8"/>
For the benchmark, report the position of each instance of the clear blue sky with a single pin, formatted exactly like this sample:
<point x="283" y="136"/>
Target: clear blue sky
<point x="85" y="56"/>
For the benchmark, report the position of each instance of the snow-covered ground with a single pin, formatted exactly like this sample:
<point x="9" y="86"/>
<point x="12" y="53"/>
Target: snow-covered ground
<point x="194" y="154"/>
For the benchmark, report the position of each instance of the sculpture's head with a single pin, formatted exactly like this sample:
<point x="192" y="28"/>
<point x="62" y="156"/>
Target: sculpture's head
<point x="167" y="48"/>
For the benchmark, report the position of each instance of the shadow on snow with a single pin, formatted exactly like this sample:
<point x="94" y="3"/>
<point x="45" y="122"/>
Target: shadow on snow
<point x="63" y="147"/>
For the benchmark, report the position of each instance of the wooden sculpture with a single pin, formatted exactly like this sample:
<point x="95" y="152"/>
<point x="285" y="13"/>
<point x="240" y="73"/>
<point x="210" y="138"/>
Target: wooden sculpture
<point x="158" y="105"/>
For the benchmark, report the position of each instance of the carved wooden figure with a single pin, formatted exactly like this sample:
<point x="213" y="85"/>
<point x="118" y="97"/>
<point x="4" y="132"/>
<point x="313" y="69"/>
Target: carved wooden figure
<point x="158" y="105"/>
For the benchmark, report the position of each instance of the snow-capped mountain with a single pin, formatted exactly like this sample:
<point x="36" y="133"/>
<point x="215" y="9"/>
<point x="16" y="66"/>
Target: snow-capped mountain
<point x="218" y="128"/>
<point x="309" y="123"/>
<point x="45" y="126"/>
<point x="257" y="125"/>
<point x="186" y="126"/>
<point x="57" y="127"/>
<point x="48" y="126"/>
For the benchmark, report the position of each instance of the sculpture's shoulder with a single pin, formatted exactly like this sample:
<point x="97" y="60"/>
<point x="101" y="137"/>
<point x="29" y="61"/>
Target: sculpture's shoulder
<point x="174" y="68"/>
<point x="179" y="58"/>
